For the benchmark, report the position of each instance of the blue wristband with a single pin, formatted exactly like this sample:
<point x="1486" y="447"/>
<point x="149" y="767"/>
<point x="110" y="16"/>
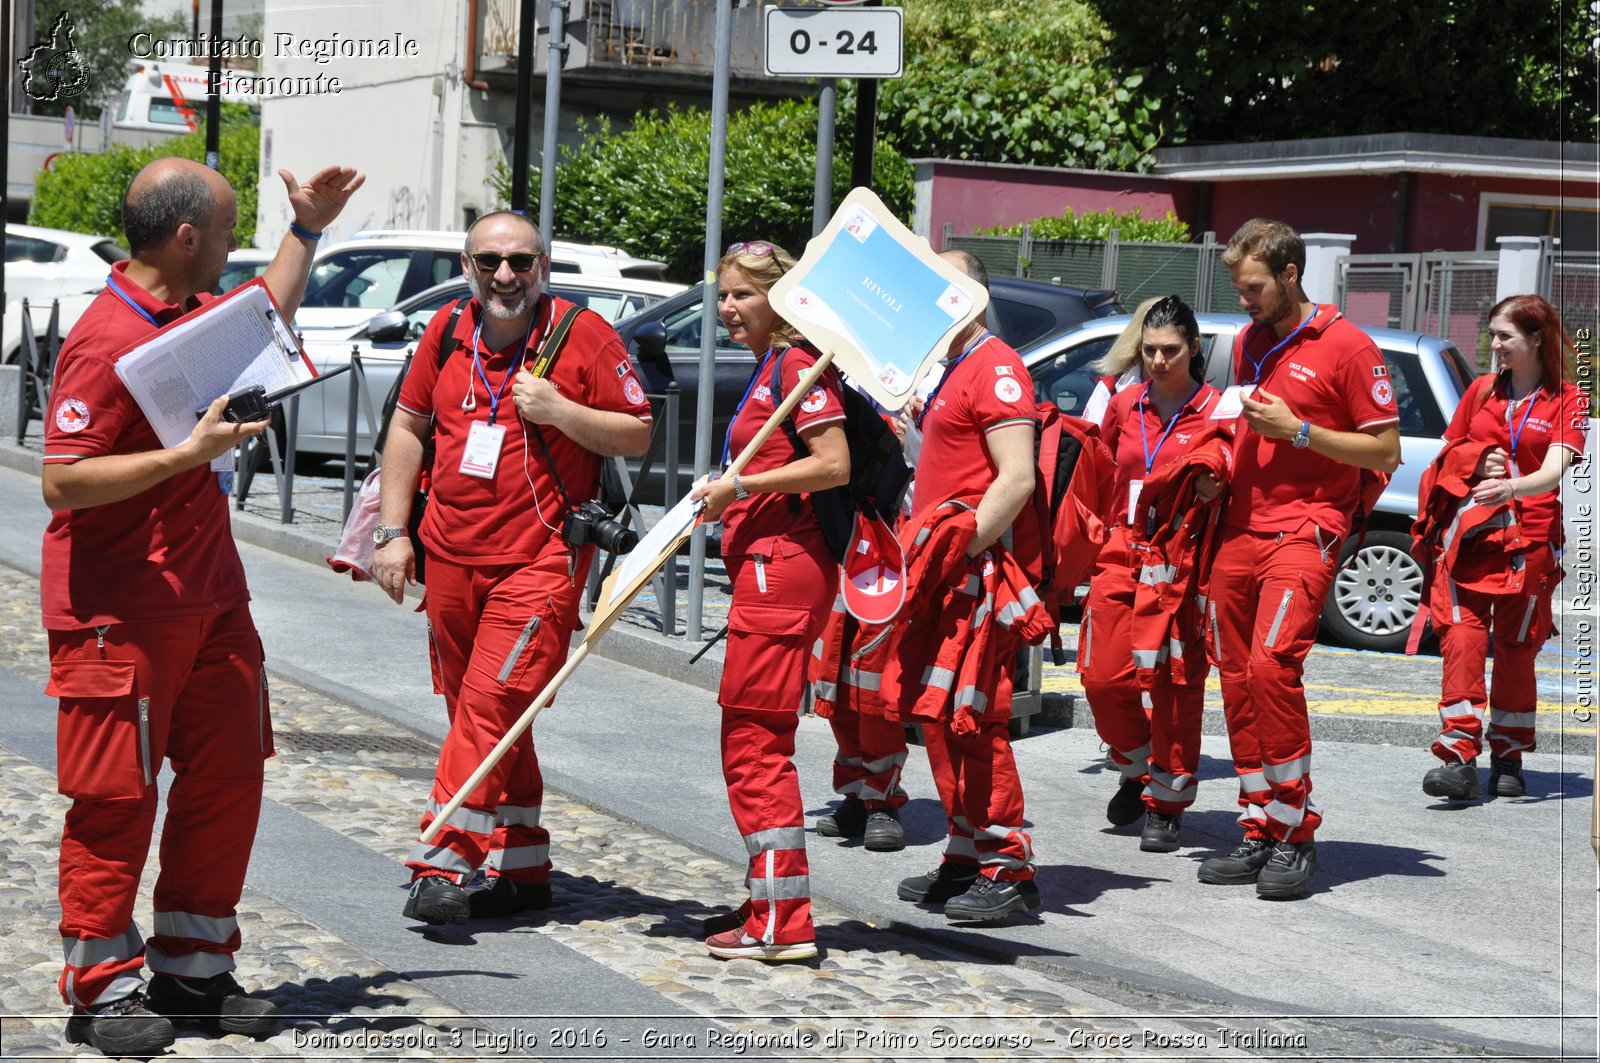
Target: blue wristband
<point x="302" y="232"/>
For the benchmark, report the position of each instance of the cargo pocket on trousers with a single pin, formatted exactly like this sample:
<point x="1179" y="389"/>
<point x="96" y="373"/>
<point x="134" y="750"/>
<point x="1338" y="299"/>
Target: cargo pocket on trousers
<point x="765" y="666"/>
<point x="102" y="731"/>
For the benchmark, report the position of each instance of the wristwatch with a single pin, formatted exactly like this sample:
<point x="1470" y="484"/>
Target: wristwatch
<point x="1302" y="438"/>
<point x="738" y="488"/>
<point x="383" y="533"/>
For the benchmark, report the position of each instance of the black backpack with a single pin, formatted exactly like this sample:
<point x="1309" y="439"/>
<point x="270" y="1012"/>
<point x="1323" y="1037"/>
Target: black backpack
<point x="878" y="470"/>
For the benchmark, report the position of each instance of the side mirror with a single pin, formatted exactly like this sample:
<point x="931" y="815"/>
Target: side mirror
<point x="651" y="339"/>
<point x="391" y="326"/>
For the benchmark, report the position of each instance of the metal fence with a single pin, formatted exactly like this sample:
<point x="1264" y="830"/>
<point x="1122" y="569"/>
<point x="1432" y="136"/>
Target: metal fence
<point x="1457" y="292"/>
<point x="1575" y="289"/>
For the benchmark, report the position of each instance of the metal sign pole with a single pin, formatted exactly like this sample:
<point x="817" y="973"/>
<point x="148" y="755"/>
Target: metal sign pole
<point x="827" y="108"/>
<point x="520" y="134"/>
<point x="552" y="118"/>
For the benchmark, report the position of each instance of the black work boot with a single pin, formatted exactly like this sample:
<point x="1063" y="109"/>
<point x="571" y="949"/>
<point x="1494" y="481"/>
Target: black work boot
<point x="436" y="900"/>
<point x="849" y="820"/>
<point x="1160" y="833"/>
<point x="939" y="885"/>
<point x="218" y="1002"/>
<point x="1505" y="777"/>
<point x="122" y="1028"/>
<point x="883" y="833"/>
<point x="1127" y="804"/>
<point x="1240" y="867"/>
<point x="504" y="897"/>
<point x="990" y="900"/>
<point x="1456" y="781"/>
<point x="1288" y="871"/>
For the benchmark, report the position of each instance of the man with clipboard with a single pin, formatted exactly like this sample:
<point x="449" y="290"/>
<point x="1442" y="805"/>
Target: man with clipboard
<point x="523" y="394"/>
<point x="152" y="649"/>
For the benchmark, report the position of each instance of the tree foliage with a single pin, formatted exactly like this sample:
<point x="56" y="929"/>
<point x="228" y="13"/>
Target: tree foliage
<point x="644" y="189"/>
<point x="1231" y="70"/>
<point x="1015" y="81"/>
<point x="1131" y="225"/>
<point x="101" y="29"/>
<point x="83" y="193"/>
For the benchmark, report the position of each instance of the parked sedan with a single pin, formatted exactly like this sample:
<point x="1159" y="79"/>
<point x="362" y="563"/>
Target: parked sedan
<point x="42" y="264"/>
<point x="388" y="337"/>
<point x="665" y="343"/>
<point x="1377" y="592"/>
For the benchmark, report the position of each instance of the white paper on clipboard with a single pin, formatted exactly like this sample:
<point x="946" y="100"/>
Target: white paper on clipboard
<point x="648" y="555"/>
<point x="230" y="343"/>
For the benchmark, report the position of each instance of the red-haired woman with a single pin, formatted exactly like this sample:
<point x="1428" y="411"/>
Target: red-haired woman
<point x="1536" y="418"/>
<point x="784" y="583"/>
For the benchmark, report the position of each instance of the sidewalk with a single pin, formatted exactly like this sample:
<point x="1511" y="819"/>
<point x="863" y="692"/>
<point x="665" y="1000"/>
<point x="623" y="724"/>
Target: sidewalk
<point x="1131" y="956"/>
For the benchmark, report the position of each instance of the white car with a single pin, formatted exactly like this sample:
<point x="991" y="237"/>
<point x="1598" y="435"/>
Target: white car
<point x="377" y="269"/>
<point x="386" y="339"/>
<point x="42" y="264"/>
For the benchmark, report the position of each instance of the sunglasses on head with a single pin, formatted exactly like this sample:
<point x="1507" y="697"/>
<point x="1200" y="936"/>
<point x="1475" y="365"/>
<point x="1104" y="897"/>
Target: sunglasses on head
<point x="753" y="247"/>
<point x="520" y="261"/>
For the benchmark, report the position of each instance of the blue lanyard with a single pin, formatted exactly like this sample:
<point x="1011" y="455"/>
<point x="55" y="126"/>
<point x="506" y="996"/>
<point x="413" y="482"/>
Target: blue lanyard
<point x="984" y="337"/>
<point x="125" y="297"/>
<point x="1315" y="309"/>
<point x="1516" y="433"/>
<point x="1144" y="435"/>
<point x="477" y="363"/>
<point x="727" y="438"/>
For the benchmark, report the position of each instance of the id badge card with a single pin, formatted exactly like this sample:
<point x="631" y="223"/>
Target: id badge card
<point x="482" y="453"/>
<point x="1231" y="404"/>
<point x="1134" y="487"/>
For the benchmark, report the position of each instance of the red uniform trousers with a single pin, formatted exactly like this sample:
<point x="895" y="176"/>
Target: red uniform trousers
<point x="499" y="633"/>
<point x="1154" y="736"/>
<point x="871" y="757"/>
<point x="780" y="603"/>
<point x="1264" y="596"/>
<point x="195" y="692"/>
<point x="1520" y="623"/>
<point x="976" y="776"/>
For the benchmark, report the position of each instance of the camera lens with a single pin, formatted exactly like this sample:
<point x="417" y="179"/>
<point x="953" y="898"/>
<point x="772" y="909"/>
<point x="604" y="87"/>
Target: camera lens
<point x="612" y="536"/>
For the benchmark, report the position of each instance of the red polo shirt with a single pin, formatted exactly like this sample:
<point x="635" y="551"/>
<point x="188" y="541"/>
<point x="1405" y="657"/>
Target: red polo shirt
<point x="986" y="389"/>
<point x="507" y="519"/>
<point x="165" y="554"/>
<point x="1331" y="374"/>
<point x="1128" y="444"/>
<point x="749" y="526"/>
<point x="1554" y="419"/>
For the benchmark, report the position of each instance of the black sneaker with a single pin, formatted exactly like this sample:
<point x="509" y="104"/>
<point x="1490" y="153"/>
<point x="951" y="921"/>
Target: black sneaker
<point x="1127" y="804"/>
<point x="1505" y="777"/>
<point x="436" y="900"/>
<point x="1160" y="833"/>
<point x="1456" y="781"/>
<point x="849" y="820"/>
<point x="505" y="897"/>
<point x="939" y="885"/>
<point x="122" y="1028"/>
<point x="989" y="901"/>
<point x="1288" y="871"/>
<point x="883" y="833"/>
<point x="1240" y="867"/>
<point x="217" y="1002"/>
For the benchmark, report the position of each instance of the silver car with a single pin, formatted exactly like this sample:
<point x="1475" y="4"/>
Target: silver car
<point x="1376" y="594"/>
<point x="390" y="336"/>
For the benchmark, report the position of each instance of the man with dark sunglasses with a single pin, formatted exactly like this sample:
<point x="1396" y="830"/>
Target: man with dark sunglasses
<point x="518" y="438"/>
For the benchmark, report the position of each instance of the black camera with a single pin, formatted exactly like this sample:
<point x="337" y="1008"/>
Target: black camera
<point x="590" y="523"/>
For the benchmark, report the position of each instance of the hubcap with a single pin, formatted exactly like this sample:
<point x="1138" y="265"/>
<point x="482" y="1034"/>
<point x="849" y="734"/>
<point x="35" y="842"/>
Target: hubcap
<point x="1379" y="591"/>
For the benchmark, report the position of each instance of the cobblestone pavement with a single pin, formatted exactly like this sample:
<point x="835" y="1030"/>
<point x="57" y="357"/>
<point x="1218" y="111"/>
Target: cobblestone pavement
<point x="627" y="899"/>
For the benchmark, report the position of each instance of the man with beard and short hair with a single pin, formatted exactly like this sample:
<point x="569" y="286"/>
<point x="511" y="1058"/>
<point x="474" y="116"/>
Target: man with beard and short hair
<point x="153" y="653"/>
<point x="1317" y="410"/>
<point x="514" y="453"/>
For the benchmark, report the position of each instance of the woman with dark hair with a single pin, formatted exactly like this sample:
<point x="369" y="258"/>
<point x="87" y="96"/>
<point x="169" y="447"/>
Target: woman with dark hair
<point x="784" y="582"/>
<point x="1154" y="735"/>
<point x="1532" y="418"/>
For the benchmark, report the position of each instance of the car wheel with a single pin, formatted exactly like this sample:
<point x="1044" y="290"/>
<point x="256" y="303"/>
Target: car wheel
<point x="1376" y="593"/>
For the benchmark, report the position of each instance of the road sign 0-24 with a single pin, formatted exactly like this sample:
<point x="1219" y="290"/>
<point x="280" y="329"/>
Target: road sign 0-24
<point x="833" y="42"/>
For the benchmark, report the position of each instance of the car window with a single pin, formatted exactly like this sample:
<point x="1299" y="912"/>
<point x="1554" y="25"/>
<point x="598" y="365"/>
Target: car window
<point x="110" y="252"/>
<point x="236" y="273"/>
<point x="608" y="305"/>
<point x="1019" y="323"/>
<point x="443" y="266"/>
<point x="32" y="249"/>
<point x="1419" y="412"/>
<point x="683" y="333"/>
<point x="358" y="278"/>
<point x="1066" y="379"/>
<point x="419" y="316"/>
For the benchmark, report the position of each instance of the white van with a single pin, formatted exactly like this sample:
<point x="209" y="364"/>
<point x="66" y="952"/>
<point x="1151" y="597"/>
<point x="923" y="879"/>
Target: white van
<point x="168" y="97"/>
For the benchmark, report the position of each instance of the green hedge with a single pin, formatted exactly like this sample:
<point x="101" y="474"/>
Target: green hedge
<point x="644" y="189"/>
<point x="1131" y="225"/>
<point x="83" y="193"/>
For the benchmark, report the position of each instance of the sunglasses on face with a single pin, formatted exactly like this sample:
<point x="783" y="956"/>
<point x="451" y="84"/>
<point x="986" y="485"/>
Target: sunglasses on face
<point x="754" y="247"/>
<point x="520" y="262"/>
